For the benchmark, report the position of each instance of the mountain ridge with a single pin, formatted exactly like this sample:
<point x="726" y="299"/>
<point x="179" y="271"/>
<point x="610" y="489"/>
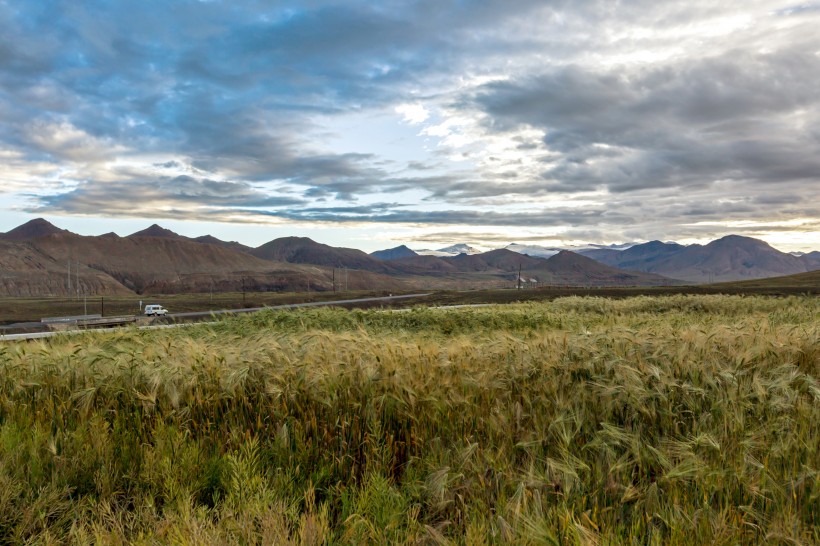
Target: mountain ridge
<point x="156" y="259"/>
<point x="729" y="258"/>
<point x="33" y="229"/>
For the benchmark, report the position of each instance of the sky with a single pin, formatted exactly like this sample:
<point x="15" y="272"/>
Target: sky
<point x="426" y="123"/>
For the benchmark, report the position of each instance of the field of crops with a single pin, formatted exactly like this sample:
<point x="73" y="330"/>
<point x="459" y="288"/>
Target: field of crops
<point x="648" y="420"/>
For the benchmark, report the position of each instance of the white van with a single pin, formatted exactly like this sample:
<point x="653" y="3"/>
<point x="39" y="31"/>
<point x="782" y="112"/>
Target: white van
<point x="155" y="311"/>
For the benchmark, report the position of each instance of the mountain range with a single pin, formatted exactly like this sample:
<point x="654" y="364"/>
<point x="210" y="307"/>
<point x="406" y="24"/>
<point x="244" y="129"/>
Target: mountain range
<point x="731" y="258"/>
<point x="40" y="259"/>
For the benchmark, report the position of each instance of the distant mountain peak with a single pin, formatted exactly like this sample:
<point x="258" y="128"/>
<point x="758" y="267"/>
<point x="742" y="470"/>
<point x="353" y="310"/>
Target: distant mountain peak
<point x="658" y="244"/>
<point x="157" y="231"/>
<point x="548" y="251"/>
<point x="303" y="250"/>
<point x="33" y="229"/>
<point x="211" y="240"/>
<point x="568" y="256"/>
<point x="730" y="258"/>
<point x="396" y="253"/>
<point x="740" y="241"/>
<point x="461" y="248"/>
<point x="453" y="250"/>
<point x="533" y="250"/>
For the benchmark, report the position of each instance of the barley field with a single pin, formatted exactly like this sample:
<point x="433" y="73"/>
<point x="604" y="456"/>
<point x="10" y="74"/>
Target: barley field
<point x="648" y="420"/>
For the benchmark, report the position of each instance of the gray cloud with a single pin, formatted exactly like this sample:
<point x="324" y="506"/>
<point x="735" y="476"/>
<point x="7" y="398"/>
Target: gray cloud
<point x="659" y="114"/>
<point x="134" y="197"/>
<point x="543" y="219"/>
<point x="729" y="117"/>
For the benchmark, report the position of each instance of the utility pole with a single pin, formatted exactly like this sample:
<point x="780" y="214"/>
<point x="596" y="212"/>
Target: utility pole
<point x="519" y="275"/>
<point x="334" y="280"/>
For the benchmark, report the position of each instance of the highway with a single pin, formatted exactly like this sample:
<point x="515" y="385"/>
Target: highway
<point x="204" y="314"/>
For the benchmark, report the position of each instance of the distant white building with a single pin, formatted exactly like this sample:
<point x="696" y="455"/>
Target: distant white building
<point x="525" y="282"/>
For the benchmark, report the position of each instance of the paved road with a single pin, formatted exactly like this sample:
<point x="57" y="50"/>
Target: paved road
<point x="200" y="314"/>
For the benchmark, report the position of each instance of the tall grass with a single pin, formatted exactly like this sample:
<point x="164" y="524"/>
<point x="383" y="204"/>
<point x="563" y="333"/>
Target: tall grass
<point x="672" y="420"/>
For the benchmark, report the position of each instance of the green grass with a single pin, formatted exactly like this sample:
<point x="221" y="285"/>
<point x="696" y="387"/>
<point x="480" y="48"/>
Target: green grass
<point x="665" y="420"/>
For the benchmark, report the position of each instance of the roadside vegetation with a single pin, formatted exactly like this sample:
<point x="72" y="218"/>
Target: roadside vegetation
<point x="647" y="420"/>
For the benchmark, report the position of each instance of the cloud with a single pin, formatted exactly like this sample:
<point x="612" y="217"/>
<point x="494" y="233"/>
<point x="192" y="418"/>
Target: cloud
<point x="736" y="116"/>
<point x="135" y="198"/>
<point x="413" y="113"/>
<point x="64" y="141"/>
<point x="541" y="218"/>
<point x="608" y="119"/>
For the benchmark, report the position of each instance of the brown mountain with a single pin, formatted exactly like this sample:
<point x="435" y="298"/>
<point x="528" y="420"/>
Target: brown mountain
<point x="233" y="245"/>
<point x="175" y="264"/>
<point x="27" y="272"/>
<point x="570" y="268"/>
<point x="501" y="260"/>
<point x="156" y="230"/>
<point x="36" y="257"/>
<point x="422" y="264"/>
<point x="31" y="230"/>
<point x="302" y="250"/>
<point x="496" y="267"/>
<point x="468" y="263"/>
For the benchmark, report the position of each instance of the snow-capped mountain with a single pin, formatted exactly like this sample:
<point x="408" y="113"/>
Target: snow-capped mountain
<point x="454" y="250"/>
<point x="546" y="252"/>
<point x="533" y="250"/>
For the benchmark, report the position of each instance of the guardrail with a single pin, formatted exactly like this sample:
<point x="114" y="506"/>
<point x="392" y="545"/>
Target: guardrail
<point x="84" y="322"/>
<point x="104" y="322"/>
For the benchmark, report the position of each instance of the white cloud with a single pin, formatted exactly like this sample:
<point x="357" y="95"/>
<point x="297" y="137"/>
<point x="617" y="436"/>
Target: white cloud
<point x="413" y="113"/>
<point x="64" y="141"/>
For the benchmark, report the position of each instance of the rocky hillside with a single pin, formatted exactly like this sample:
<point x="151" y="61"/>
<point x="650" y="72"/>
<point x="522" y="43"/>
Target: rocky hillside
<point x="569" y="268"/>
<point x="35" y="259"/>
<point x="302" y="250"/>
<point x="26" y="272"/>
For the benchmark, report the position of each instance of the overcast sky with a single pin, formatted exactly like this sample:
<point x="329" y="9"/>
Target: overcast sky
<point x="372" y="124"/>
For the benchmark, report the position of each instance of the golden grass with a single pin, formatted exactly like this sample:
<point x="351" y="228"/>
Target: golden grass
<point x="672" y="420"/>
